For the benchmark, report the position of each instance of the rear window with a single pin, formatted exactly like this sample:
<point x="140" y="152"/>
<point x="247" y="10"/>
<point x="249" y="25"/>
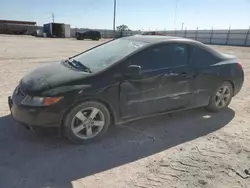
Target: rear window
<point x="200" y="57"/>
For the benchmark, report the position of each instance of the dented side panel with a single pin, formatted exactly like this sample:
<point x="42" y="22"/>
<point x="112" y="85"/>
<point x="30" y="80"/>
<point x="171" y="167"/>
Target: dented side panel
<point x="157" y="91"/>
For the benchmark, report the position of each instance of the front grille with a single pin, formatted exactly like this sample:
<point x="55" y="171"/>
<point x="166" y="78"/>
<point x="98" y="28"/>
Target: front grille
<point x="20" y="93"/>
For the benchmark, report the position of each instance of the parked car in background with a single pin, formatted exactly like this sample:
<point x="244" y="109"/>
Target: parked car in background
<point x="123" y="80"/>
<point x="90" y="34"/>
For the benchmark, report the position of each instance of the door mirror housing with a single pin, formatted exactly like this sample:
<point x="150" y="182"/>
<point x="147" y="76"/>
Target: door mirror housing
<point x="133" y="70"/>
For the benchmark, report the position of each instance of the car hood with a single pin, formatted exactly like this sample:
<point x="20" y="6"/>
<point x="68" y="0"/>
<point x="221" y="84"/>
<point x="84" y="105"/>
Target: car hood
<point x="50" y="76"/>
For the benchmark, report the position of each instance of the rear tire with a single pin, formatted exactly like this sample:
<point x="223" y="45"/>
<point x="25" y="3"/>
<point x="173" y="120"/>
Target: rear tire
<point x="87" y="122"/>
<point x="221" y="97"/>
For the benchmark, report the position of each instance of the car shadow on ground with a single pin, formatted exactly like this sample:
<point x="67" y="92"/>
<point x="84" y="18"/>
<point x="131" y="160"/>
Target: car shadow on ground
<point x="31" y="161"/>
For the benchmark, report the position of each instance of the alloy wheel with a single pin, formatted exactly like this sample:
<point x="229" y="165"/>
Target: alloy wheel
<point x="222" y="96"/>
<point x="88" y="123"/>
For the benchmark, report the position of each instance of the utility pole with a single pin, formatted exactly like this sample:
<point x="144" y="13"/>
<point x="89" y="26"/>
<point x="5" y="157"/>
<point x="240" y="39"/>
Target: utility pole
<point x="228" y="34"/>
<point x="247" y="35"/>
<point x="196" y="33"/>
<point x="53" y="17"/>
<point x="175" y="12"/>
<point x="114" y="18"/>
<point x="182" y="25"/>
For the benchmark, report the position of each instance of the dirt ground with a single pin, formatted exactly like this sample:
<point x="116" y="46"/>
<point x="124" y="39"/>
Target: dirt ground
<point x="188" y="149"/>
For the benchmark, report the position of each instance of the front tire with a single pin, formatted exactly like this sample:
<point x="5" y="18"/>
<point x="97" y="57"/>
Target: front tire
<point x="221" y="98"/>
<point x="87" y="122"/>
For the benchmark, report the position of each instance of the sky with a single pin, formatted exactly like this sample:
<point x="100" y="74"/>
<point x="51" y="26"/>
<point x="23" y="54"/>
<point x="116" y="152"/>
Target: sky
<point x="136" y="14"/>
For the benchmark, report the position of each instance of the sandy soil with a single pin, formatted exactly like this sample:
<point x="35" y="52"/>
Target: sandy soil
<point x="188" y="149"/>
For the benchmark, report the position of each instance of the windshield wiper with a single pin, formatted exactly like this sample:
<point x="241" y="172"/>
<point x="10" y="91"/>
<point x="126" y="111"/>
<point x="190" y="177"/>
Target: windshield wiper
<point x="78" y="65"/>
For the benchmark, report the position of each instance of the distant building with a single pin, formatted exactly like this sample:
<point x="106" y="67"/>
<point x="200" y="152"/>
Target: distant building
<point x="58" y="30"/>
<point x="17" y="22"/>
<point x="17" y="27"/>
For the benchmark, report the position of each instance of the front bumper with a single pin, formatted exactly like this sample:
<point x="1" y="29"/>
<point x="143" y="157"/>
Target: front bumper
<point x="36" y="116"/>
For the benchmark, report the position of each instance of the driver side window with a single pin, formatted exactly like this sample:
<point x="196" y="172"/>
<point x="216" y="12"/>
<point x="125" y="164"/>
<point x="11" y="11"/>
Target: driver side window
<point x="162" y="56"/>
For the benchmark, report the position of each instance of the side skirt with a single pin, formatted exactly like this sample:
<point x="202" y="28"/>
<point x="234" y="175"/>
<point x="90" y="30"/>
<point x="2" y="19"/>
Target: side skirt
<point x="126" y="120"/>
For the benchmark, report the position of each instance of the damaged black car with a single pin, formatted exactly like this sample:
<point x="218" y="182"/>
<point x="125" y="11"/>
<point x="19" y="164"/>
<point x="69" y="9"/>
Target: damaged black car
<point x="123" y="80"/>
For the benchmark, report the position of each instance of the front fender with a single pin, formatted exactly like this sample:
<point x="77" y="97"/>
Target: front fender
<point x="109" y="96"/>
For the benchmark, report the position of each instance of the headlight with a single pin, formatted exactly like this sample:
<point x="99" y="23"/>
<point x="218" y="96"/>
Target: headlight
<point x="40" y="101"/>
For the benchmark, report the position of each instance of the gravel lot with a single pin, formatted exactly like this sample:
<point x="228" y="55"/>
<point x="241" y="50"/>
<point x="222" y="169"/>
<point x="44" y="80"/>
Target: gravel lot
<point x="188" y="149"/>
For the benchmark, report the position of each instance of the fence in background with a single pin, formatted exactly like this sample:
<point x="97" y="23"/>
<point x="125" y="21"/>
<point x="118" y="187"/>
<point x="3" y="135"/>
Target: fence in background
<point x="238" y="37"/>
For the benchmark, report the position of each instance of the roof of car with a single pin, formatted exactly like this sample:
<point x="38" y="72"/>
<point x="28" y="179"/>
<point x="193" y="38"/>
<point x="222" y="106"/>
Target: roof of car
<point x="154" y="39"/>
<point x="157" y="39"/>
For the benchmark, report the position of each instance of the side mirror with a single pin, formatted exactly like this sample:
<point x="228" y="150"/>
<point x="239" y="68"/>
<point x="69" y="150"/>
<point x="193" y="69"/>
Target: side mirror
<point x="133" y="70"/>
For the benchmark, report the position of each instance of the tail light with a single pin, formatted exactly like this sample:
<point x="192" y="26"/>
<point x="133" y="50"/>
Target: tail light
<point x="240" y="64"/>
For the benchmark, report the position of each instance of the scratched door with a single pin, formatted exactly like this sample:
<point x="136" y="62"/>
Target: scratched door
<point x="164" y="84"/>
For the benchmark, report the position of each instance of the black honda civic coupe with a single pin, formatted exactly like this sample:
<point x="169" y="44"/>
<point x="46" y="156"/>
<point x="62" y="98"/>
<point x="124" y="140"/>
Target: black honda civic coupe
<point x="122" y="80"/>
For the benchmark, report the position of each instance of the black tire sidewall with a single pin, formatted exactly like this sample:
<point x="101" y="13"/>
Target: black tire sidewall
<point x="68" y="119"/>
<point x="212" y="106"/>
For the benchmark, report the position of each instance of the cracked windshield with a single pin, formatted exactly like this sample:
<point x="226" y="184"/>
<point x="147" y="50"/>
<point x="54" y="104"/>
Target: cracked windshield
<point x="125" y="93"/>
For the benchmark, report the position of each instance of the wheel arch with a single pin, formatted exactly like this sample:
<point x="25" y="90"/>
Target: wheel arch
<point x="114" y="118"/>
<point x="105" y="103"/>
<point x="233" y="85"/>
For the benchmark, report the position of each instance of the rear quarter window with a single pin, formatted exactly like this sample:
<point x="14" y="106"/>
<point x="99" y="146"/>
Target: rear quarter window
<point x="200" y="57"/>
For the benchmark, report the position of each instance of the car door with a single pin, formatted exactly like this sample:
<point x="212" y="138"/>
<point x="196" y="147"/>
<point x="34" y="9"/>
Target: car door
<point x="207" y="78"/>
<point x="163" y="85"/>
